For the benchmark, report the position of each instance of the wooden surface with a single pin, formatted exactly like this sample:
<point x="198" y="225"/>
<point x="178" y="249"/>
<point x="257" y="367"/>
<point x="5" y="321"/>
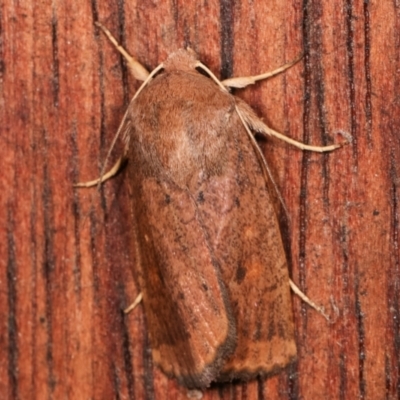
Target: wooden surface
<point x="66" y="259"/>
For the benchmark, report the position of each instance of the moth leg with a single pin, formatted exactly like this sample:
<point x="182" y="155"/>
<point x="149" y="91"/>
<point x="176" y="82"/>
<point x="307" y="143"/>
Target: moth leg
<point x="137" y="69"/>
<point x="243" y="81"/>
<point x="109" y="174"/>
<point x="307" y="300"/>
<point x="195" y="394"/>
<point x="254" y="123"/>
<point x="138" y="299"/>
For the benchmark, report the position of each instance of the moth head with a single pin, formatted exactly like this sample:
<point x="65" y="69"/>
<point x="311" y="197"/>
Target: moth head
<point x="182" y="60"/>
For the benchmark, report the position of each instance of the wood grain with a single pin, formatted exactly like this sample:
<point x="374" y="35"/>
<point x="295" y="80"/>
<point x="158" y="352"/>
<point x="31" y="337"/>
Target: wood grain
<point x="66" y="270"/>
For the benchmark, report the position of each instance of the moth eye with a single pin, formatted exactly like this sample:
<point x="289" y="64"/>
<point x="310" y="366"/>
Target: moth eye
<point x="167" y="199"/>
<point x="205" y="287"/>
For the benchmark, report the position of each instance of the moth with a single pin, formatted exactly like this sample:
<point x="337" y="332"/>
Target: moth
<point x="212" y="267"/>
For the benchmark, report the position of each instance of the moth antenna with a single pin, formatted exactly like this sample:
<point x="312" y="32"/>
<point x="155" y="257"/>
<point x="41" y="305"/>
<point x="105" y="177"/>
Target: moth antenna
<point x="214" y="78"/>
<point x="122" y="124"/>
<point x="264" y="163"/>
<point x="293" y="286"/>
<point x="252" y="139"/>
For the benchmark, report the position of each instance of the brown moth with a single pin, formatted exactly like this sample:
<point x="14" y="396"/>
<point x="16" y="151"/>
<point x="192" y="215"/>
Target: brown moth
<point x="213" y="271"/>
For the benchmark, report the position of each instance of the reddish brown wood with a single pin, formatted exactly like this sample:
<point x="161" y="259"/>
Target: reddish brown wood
<point x="66" y="257"/>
